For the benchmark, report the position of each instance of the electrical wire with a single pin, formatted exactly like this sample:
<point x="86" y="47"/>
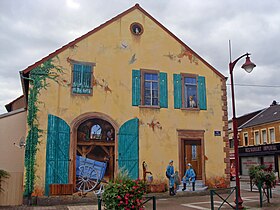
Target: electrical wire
<point x="252" y="85"/>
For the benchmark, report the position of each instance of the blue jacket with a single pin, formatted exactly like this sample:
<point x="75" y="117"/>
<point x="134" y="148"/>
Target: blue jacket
<point x="170" y="170"/>
<point x="190" y="174"/>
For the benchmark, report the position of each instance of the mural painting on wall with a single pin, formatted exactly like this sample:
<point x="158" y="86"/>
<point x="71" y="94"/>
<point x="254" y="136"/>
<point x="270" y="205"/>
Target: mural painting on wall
<point x="96" y="82"/>
<point x="124" y="45"/>
<point x="132" y="59"/>
<point x="184" y="53"/>
<point x="96" y="141"/>
<point x="155" y="124"/>
<point x="38" y="80"/>
<point x="96" y="129"/>
<point x="102" y="83"/>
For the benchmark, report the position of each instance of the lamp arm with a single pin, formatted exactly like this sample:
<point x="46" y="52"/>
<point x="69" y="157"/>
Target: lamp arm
<point x="232" y="64"/>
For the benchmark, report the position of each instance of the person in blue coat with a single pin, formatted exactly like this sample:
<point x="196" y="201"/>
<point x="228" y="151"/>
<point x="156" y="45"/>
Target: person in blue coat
<point x="170" y="174"/>
<point x="189" y="177"/>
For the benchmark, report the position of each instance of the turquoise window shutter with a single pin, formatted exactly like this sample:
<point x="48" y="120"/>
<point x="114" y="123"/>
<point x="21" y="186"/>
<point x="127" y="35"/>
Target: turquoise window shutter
<point x="201" y="93"/>
<point x="136" y="88"/>
<point x="163" y="94"/>
<point x="177" y="91"/>
<point x="82" y="75"/>
<point x="57" y="154"/>
<point x="128" y="148"/>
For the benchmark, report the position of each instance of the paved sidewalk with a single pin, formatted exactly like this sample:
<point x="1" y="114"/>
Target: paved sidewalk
<point x="183" y="200"/>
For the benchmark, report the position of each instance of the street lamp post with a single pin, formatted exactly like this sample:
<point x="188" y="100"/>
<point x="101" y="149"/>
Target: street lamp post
<point x="248" y="66"/>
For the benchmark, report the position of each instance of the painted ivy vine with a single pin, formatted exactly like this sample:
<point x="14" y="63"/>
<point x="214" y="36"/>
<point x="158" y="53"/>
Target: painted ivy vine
<point x="37" y="81"/>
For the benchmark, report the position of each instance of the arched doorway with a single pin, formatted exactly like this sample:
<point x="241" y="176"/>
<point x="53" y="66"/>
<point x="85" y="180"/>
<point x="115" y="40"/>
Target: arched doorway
<point x="96" y="141"/>
<point x="94" y="136"/>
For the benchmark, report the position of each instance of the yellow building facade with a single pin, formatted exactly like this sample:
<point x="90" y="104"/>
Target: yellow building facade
<point x="133" y="64"/>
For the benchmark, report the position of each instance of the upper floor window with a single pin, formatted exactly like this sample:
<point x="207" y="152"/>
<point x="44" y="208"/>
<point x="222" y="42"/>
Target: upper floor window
<point x="189" y="91"/>
<point x="82" y="78"/>
<point x="264" y="138"/>
<point x="257" y="137"/>
<point x="149" y="88"/>
<point x="245" y="138"/>
<point x="272" y="135"/>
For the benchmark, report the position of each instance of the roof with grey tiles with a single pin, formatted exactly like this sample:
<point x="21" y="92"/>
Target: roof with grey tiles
<point x="268" y="115"/>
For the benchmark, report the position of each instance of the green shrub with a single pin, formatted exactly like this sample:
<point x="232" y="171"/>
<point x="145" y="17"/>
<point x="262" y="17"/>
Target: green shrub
<point x="254" y="169"/>
<point x="262" y="175"/>
<point x="124" y="193"/>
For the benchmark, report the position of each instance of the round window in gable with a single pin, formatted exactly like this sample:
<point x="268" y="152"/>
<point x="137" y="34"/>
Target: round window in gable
<point x="136" y="29"/>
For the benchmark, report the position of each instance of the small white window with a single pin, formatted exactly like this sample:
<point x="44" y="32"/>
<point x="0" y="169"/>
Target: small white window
<point x="257" y="138"/>
<point x="245" y="137"/>
<point x="272" y="135"/>
<point x="264" y="138"/>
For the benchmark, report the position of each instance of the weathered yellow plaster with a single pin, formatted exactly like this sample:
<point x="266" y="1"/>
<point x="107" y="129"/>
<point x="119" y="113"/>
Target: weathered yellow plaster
<point x="155" y="49"/>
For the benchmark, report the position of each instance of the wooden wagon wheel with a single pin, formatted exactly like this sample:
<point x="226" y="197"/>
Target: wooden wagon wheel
<point x="88" y="179"/>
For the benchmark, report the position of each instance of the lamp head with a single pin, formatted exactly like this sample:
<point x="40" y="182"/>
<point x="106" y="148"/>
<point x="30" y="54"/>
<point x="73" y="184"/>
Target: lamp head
<point x="248" y="65"/>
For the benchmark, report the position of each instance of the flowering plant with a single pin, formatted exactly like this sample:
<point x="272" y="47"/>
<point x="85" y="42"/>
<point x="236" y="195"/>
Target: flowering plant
<point x="124" y="193"/>
<point x="262" y="175"/>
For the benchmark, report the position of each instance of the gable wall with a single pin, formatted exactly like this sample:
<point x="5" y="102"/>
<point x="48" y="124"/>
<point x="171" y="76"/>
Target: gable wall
<point x="112" y="66"/>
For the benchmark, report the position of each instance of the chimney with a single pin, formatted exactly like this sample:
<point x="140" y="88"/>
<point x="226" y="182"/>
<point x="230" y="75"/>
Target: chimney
<point x="274" y="103"/>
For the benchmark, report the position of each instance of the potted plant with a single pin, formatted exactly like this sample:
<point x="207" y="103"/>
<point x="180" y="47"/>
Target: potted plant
<point x="124" y="193"/>
<point x="3" y="175"/>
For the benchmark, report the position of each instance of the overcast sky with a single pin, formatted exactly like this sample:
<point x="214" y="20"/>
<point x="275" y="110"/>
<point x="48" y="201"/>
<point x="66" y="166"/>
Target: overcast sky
<point x="31" y="29"/>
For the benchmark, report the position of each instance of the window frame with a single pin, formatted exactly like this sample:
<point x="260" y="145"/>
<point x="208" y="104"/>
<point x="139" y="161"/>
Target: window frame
<point x="136" y="24"/>
<point x="262" y="140"/>
<point x="143" y="72"/>
<point x="269" y="129"/>
<point x="255" y="137"/>
<point x="246" y="133"/>
<point x="73" y="62"/>
<point x="183" y="76"/>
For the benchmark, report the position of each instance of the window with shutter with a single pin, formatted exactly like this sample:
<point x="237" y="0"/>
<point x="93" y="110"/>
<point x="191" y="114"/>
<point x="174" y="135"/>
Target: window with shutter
<point x="149" y="88"/>
<point x="189" y="91"/>
<point x="82" y="78"/>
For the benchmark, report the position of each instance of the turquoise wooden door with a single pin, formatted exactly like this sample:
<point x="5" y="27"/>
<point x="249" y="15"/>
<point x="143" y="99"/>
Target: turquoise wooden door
<point x="128" y="147"/>
<point x="57" y="156"/>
